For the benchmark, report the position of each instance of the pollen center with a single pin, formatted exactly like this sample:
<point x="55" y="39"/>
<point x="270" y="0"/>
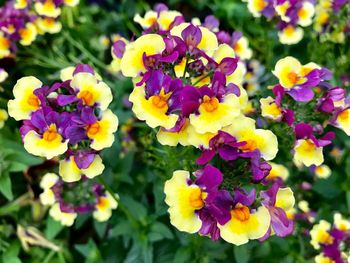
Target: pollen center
<point x="87" y="97"/>
<point x="102" y="203"/>
<point x="196" y="200"/>
<point x="210" y="104"/>
<point x="344" y="115"/>
<point x="33" y="101"/>
<point x="249" y="146"/>
<point x="51" y="133"/>
<point x="161" y="100"/>
<point x="240" y="212"/>
<point x="4" y="43"/>
<point x="293" y="77"/>
<point x="93" y="129"/>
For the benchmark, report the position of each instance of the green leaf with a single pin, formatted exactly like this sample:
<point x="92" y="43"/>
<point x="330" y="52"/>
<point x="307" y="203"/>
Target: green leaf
<point x="6" y="186"/>
<point x="242" y="253"/>
<point x="100" y="228"/>
<point x="52" y="228"/>
<point x="90" y="252"/>
<point x="160" y="231"/>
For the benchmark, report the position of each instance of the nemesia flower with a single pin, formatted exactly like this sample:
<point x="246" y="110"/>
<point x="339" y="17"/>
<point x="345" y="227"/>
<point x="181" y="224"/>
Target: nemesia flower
<point x="278" y="171"/>
<point x="322" y="171"/>
<point x="28" y="34"/>
<point x="332" y="240"/>
<point x="3" y="117"/>
<point x="279" y="201"/>
<point x="3" y="75"/>
<point x="290" y="35"/>
<point x="47" y="181"/>
<point x="104" y="207"/>
<point x="245" y="223"/>
<point x="117" y="51"/>
<point x="66" y="202"/>
<point x="308" y="149"/>
<point x="47" y="8"/>
<point x="25" y="101"/>
<point x="70" y="120"/>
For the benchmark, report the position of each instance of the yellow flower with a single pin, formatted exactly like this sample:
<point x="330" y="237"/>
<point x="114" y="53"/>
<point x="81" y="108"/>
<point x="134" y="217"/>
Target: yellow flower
<point x="278" y="170"/>
<point x="132" y="60"/>
<point x="101" y="132"/>
<point x="166" y="17"/>
<point x="256" y="6"/>
<point x="341" y="223"/>
<point x="304" y="206"/>
<point x="148" y="20"/>
<point x="4" y="46"/>
<point x="242" y="49"/>
<point x="199" y="139"/>
<point x="49" y="25"/>
<point x="48" y="180"/>
<point x="25" y="101"/>
<point x="245" y="225"/>
<point x="3" y="117"/>
<point x="154" y="109"/>
<point x="49" y="145"/>
<point x="323" y="171"/>
<point x="174" y="138"/>
<point x="48" y="8"/>
<point x="71" y="3"/>
<point x="320" y="235"/>
<point x="104" y="207"/>
<point x="66" y="219"/>
<point x="290" y="35"/>
<point x="21" y="4"/>
<point x="70" y="172"/>
<point x="282" y="10"/>
<point x="263" y="140"/>
<point x="285" y="199"/>
<point x="214" y="115"/>
<point x="270" y="109"/>
<point x="183" y="200"/>
<point x="323" y="259"/>
<point x="343" y="121"/>
<point x="290" y="72"/>
<point x="208" y="43"/>
<point x="27" y="34"/>
<point x="305" y="14"/>
<point x="307" y="153"/>
<point x="91" y="90"/>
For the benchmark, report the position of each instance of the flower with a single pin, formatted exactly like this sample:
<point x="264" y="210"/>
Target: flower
<point x="104" y="207"/>
<point x="47" y="182"/>
<point x="25" y="102"/>
<point x="66" y="219"/>
<point x="245" y="223"/>
<point x="70" y="172"/>
<point x="3" y="117"/>
<point x="319" y="234"/>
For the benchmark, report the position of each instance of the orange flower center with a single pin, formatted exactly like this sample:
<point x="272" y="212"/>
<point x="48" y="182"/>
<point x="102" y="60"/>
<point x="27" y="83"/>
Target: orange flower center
<point x="293" y="77"/>
<point x="161" y="100"/>
<point x="344" y="115"/>
<point x="309" y="145"/>
<point x="237" y="47"/>
<point x="51" y="133"/>
<point x="24" y="33"/>
<point x="102" y="203"/>
<point x="302" y="13"/>
<point x="4" y="43"/>
<point x="249" y="146"/>
<point x="49" y="5"/>
<point x="196" y="200"/>
<point x="240" y="212"/>
<point x="33" y="101"/>
<point x="93" y="129"/>
<point x="325" y="238"/>
<point x="151" y="20"/>
<point x="87" y="97"/>
<point x="210" y="104"/>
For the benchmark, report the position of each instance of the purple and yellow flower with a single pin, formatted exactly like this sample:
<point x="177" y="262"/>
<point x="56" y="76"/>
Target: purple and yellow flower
<point x="25" y="102"/>
<point x="245" y="223"/>
<point x="47" y="197"/>
<point x="43" y="135"/>
<point x="70" y="172"/>
<point x="65" y="218"/>
<point x="47" y="8"/>
<point x="103" y="209"/>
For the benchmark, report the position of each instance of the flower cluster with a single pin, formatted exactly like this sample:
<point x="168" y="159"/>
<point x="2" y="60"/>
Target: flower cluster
<point x="303" y="89"/>
<point x="207" y="205"/>
<point x="69" y="120"/>
<point x="327" y="22"/>
<point x="188" y="81"/>
<point x="188" y="78"/>
<point x="67" y="200"/>
<point x="332" y="240"/>
<point x="291" y="16"/>
<point x="22" y="20"/>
